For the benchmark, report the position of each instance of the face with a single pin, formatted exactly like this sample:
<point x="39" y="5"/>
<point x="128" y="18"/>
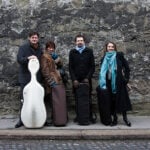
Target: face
<point x="50" y="49"/>
<point x="110" y="47"/>
<point x="80" y="41"/>
<point x="34" y="39"/>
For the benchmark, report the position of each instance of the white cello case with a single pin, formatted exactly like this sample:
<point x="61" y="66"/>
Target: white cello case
<point x="33" y="112"/>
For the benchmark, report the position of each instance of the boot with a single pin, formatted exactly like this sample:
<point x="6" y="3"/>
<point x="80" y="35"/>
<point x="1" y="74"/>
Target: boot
<point x="115" y="120"/>
<point x="75" y="119"/>
<point x="19" y="123"/>
<point x="128" y="123"/>
<point x="48" y="123"/>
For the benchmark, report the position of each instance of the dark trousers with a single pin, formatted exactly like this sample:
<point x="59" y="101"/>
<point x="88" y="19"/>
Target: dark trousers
<point x="113" y="102"/>
<point x="112" y="98"/>
<point x="22" y="85"/>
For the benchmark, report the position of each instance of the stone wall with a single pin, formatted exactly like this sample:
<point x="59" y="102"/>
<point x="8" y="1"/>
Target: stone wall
<point x="126" y="22"/>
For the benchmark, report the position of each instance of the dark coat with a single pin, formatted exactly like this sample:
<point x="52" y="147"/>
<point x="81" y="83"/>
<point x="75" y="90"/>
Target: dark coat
<point x="123" y="73"/>
<point x="24" y="52"/>
<point x="82" y="65"/>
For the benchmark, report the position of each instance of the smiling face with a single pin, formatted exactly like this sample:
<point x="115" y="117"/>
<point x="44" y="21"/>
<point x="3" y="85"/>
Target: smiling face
<point x="80" y="41"/>
<point x="50" y="50"/>
<point x="50" y="47"/>
<point x="34" y="39"/>
<point x="110" y="47"/>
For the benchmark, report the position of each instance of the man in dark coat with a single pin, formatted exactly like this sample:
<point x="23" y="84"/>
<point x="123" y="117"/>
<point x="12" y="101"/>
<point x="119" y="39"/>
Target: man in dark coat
<point x="27" y="51"/>
<point x="81" y="64"/>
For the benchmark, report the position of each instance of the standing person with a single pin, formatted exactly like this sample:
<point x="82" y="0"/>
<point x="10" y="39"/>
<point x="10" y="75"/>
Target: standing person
<point x="81" y="68"/>
<point x="113" y="79"/>
<point x="27" y="51"/>
<point x="49" y="63"/>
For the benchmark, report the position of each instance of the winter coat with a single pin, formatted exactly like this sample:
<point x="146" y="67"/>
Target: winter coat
<point x="82" y="65"/>
<point x="122" y="78"/>
<point x="24" y="52"/>
<point x="49" y="72"/>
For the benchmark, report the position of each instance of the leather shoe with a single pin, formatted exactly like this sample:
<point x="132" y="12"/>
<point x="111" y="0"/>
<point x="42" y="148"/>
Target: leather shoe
<point x="115" y="120"/>
<point x="19" y="124"/>
<point x="48" y="123"/>
<point x="75" y="119"/>
<point x="127" y="122"/>
<point x="114" y="123"/>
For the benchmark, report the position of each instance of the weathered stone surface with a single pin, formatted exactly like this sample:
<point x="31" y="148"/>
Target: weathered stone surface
<point x="125" y="22"/>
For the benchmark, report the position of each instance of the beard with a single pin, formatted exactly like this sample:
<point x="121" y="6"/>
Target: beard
<point x="80" y="45"/>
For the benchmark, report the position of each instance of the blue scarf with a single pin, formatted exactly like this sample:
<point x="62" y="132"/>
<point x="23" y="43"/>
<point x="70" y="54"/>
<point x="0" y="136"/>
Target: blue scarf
<point x="80" y="49"/>
<point x="109" y="65"/>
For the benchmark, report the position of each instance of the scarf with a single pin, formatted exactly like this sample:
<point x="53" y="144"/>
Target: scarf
<point x="80" y="49"/>
<point x="109" y="65"/>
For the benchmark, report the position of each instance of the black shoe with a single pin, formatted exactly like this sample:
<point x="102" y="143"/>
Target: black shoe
<point x="48" y="123"/>
<point x="115" y="121"/>
<point x="93" y="118"/>
<point x="125" y="119"/>
<point x="127" y="122"/>
<point x="19" y="124"/>
<point x="75" y="119"/>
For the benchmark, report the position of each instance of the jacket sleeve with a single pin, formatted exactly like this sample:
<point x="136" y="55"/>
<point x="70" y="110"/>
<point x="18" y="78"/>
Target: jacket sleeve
<point x="22" y="57"/>
<point x="92" y="66"/>
<point x="71" y="67"/>
<point x="126" y="69"/>
<point x="48" y="70"/>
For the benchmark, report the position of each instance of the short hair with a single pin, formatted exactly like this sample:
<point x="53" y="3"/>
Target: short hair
<point x="33" y="33"/>
<point x="50" y="44"/>
<point x="79" y="36"/>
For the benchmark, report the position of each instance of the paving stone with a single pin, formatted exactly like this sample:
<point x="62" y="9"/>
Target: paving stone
<point x="75" y="145"/>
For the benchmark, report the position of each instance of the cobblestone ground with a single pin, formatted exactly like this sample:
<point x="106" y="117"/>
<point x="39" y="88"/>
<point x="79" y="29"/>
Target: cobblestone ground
<point x="74" y="145"/>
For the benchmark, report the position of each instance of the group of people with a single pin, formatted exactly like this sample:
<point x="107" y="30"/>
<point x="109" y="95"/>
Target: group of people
<point x="113" y="76"/>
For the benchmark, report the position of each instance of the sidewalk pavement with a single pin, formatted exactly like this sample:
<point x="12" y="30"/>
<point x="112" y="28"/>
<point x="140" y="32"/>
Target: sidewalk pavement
<point x="140" y="129"/>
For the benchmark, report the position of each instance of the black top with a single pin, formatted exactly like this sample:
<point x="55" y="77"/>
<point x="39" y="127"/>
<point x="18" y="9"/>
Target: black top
<point x="81" y="65"/>
<point x="24" y="52"/>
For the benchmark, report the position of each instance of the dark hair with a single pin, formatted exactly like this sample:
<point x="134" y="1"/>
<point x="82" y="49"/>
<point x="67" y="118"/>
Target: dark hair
<point x="79" y="36"/>
<point x="50" y="44"/>
<point x="105" y="48"/>
<point x="33" y="33"/>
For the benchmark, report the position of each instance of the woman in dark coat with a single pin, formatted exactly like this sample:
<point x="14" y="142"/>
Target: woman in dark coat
<point x="112" y="89"/>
